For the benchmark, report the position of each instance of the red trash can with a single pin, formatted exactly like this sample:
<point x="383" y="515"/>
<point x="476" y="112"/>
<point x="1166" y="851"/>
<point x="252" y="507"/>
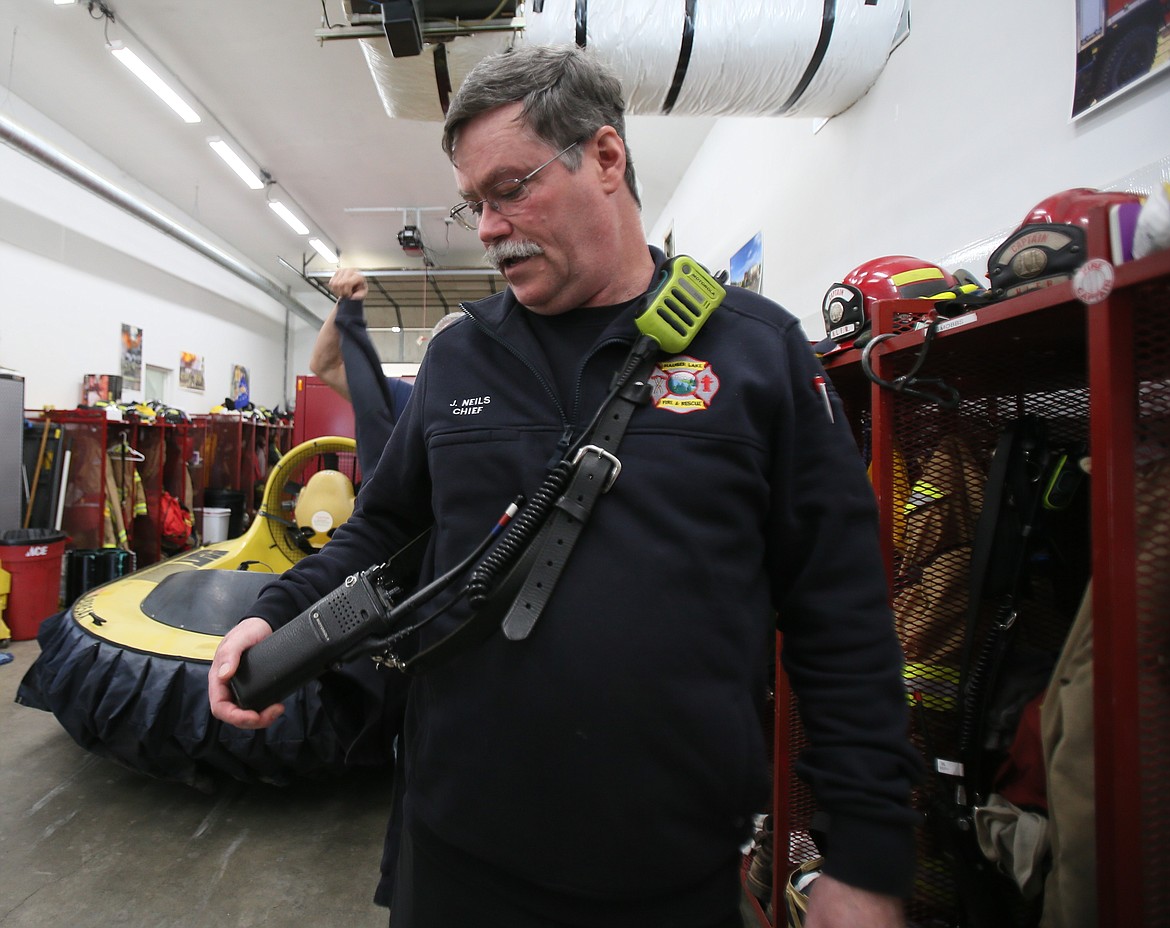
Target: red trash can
<point x="33" y="557"/>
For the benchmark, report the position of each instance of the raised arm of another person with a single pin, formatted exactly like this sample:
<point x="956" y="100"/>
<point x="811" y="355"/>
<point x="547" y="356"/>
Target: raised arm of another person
<point x="327" y="360"/>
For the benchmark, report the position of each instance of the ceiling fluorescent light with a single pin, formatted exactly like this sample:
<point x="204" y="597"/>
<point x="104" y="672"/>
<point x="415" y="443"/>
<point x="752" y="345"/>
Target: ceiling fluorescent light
<point x="235" y="162"/>
<point x="140" y="70"/>
<point x="323" y="250"/>
<point x="284" y="213"/>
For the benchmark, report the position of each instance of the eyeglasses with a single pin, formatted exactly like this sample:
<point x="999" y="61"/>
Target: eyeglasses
<point x="504" y="197"/>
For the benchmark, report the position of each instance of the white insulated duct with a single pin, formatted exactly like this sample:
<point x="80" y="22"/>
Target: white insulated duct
<point x="686" y="57"/>
<point x="418" y="87"/>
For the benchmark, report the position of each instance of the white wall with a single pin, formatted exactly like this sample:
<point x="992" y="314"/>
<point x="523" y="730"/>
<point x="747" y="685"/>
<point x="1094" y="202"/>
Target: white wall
<point x="74" y="268"/>
<point x="965" y="130"/>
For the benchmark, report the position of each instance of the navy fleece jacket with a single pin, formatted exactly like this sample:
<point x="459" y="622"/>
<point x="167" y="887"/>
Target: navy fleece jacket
<point x="619" y="746"/>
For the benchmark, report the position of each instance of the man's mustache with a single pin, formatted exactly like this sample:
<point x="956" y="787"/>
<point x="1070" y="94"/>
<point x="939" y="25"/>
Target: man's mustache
<point x="502" y="252"/>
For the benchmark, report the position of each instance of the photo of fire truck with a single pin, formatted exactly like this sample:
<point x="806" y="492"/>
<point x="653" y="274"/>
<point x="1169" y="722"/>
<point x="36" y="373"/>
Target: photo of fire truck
<point x="1117" y="43"/>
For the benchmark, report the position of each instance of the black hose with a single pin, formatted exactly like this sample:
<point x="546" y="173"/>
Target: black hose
<point x="519" y="533"/>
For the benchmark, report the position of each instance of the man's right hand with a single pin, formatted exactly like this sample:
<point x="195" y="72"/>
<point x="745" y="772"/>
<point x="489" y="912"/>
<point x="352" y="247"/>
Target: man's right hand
<point x="223" y="667"/>
<point x="348" y="283"/>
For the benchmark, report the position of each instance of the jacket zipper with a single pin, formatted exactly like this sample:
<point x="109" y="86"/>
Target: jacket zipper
<point x="567" y="427"/>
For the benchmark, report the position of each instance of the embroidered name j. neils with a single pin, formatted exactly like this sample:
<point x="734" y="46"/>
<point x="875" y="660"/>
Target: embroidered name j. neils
<point x="471" y="406"/>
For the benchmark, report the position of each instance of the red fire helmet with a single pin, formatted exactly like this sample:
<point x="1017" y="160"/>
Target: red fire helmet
<point x="1050" y="244"/>
<point x="849" y="306"/>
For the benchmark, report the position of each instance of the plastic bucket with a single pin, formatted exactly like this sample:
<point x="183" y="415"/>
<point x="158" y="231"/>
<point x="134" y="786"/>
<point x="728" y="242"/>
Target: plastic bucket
<point x="233" y="500"/>
<point x="116" y="562"/>
<point x="86" y="568"/>
<point x="81" y="572"/>
<point x="33" y="558"/>
<point x="215" y="524"/>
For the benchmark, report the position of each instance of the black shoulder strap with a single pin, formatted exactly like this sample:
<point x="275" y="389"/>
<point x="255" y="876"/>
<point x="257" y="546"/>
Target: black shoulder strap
<point x="519" y="595"/>
<point x="597" y="467"/>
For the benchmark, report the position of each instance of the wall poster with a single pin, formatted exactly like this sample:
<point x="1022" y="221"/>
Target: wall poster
<point x="131" y="363"/>
<point x="747" y="269"/>
<point x="190" y="371"/>
<point x="1120" y="44"/>
<point x="240" y="391"/>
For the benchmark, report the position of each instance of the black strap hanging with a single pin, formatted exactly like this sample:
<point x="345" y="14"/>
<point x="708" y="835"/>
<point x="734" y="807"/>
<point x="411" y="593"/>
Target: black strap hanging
<point x="597" y="467"/>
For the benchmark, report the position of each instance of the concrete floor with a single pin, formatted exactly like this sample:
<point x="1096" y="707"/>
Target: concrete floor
<point x="84" y="842"/>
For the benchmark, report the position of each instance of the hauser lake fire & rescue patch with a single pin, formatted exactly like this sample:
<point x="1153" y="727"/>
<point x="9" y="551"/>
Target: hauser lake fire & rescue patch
<point x="683" y="384"/>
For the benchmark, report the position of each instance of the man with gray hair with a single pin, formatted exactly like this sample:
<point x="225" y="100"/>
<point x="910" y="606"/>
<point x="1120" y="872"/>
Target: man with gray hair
<point x="601" y="769"/>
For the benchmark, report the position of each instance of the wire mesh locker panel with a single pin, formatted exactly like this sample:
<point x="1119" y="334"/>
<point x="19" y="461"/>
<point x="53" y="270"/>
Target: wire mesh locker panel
<point x="1131" y="594"/>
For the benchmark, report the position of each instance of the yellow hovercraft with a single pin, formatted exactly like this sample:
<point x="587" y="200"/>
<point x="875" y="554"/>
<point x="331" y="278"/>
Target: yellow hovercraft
<point x="125" y="668"/>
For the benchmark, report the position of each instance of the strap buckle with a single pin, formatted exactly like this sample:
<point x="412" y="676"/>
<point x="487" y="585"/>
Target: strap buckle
<point x="615" y="469"/>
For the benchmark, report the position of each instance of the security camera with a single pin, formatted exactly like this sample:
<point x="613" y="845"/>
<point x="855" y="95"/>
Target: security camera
<point x="411" y="240"/>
